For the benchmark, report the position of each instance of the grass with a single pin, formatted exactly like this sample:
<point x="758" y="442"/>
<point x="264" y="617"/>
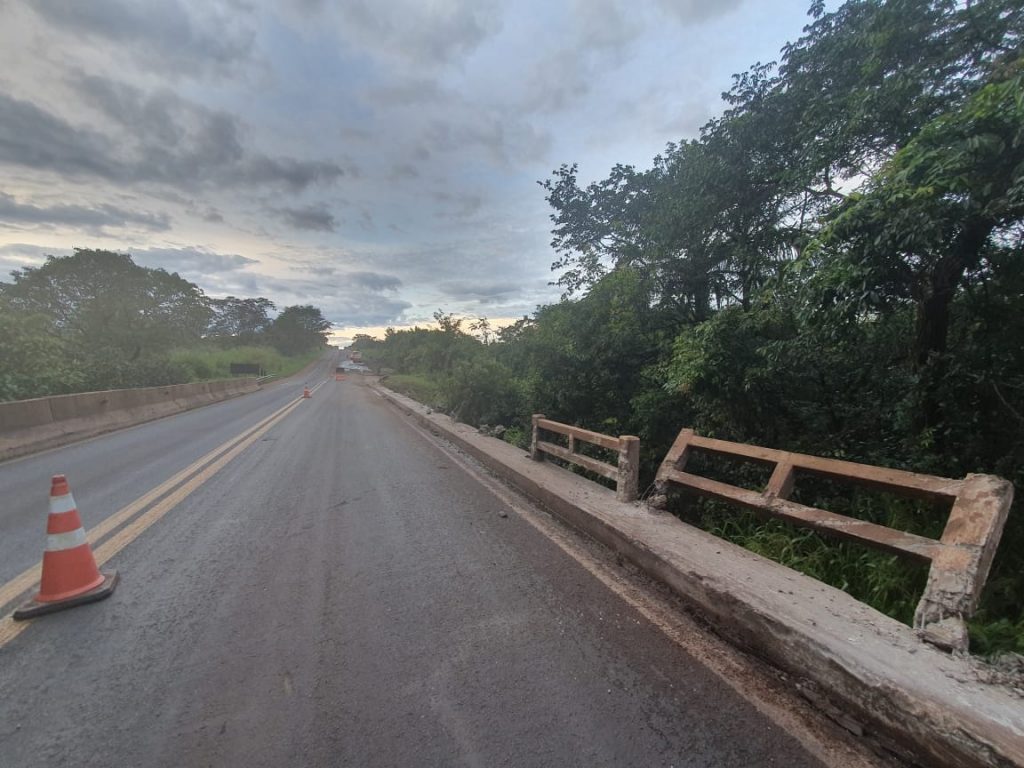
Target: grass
<point x="207" y="363"/>
<point x="887" y="583"/>
<point x="420" y="388"/>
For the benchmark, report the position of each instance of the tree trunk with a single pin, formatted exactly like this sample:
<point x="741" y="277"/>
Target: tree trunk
<point x="933" y="314"/>
<point x="933" y="309"/>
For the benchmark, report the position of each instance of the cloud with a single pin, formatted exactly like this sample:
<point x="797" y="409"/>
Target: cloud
<point x="509" y="141"/>
<point x="233" y="123"/>
<point x="411" y="33"/>
<point x="404" y="171"/>
<point x="214" y="272"/>
<point x="31" y="253"/>
<point x="602" y="38"/>
<point x="34" y="138"/>
<point x="458" y="205"/>
<point x="462" y="290"/>
<point x="190" y="261"/>
<point x="15" y="256"/>
<point x="697" y="11"/>
<point x="311" y="217"/>
<point x="609" y="24"/>
<point x="159" y="138"/>
<point x="88" y="218"/>
<point x="344" y="303"/>
<point x="427" y="119"/>
<point x="165" y="36"/>
<point x="374" y="281"/>
<point x="361" y="310"/>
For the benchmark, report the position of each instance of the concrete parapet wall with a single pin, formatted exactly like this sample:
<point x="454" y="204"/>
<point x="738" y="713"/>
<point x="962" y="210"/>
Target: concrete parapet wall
<point x="27" y="426"/>
<point x="874" y="673"/>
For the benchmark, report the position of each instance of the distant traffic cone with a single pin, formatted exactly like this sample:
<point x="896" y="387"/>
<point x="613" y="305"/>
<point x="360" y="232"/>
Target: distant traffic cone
<point x="305" y="392"/>
<point x="70" y="576"/>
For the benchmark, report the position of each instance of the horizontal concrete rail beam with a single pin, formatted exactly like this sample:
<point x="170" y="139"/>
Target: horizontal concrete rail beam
<point x="27" y="426"/>
<point x="960" y="560"/>
<point x="625" y="474"/>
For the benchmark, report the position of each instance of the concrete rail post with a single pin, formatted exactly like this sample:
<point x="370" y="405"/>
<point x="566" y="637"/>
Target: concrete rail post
<point x="959" y="571"/>
<point x="627" y="486"/>
<point x="535" y="453"/>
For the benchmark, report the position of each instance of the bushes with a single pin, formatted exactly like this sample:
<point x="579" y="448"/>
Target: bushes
<point x="210" y="361"/>
<point x="483" y="391"/>
<point x="417" y="386"/>
<point x="33" y="362"/>
<point x="477" y="392"/>
<point x="96" y="320"/>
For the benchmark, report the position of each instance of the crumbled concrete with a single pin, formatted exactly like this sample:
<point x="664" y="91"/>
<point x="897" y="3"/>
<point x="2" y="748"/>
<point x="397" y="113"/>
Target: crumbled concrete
<point x="875" y="672"/>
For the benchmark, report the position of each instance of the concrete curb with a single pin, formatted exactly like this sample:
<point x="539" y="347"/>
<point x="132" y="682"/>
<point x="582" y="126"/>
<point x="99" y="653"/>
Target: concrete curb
<point x="851" y="660"/>
<point x="30" y="426"/>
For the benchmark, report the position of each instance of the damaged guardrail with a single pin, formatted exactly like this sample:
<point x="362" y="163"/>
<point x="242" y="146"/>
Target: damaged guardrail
<point x="625" y="474"/>
<point x="960" y="560"/>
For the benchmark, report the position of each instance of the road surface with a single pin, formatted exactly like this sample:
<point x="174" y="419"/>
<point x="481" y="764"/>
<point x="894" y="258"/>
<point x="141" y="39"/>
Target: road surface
<point x="335" y="590"/>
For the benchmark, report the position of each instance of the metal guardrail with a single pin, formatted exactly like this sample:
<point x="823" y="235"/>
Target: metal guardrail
<point x="960" y="560"/>
<point x="627" y="447"/>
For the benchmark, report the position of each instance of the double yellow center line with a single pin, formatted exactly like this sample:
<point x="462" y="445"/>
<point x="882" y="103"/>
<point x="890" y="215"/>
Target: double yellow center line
<point x="168" y="495"/>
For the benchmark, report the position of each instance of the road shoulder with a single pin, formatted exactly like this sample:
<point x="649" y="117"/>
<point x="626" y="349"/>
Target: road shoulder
<point x="862" y="667"/>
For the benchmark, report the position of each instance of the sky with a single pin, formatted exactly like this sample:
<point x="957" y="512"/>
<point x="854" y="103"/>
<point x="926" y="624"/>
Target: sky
<point x="376" y="158"/>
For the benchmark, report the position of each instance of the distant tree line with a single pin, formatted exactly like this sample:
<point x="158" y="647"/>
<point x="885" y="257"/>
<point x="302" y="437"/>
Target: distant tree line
<point x="835" y="266"/>
<point x="97" y="320"/>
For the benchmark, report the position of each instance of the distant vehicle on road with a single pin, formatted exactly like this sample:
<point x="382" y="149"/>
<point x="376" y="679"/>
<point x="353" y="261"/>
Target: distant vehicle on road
<point x="347" y="366"/>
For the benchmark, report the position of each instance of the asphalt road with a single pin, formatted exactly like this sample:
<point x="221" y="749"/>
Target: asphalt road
<point x="337" y="593"/>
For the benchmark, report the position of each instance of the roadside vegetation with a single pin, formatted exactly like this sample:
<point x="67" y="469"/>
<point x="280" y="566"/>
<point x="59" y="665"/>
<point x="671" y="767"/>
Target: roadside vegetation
<point x="835" y="266"/>
<point x="96" y="320"/>
<point x="212" y="361"/>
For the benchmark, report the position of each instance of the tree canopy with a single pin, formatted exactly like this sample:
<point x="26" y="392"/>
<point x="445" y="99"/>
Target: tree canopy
<point x="97" y="320"/>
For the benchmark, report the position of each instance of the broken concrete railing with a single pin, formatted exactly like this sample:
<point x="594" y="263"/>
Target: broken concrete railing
<point x="627" y="447"/>
<point x="960" y="560"/>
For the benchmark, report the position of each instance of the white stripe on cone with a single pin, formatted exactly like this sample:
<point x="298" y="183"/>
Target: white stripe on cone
<point x="56" y="542"/>
<point x="61" y="504"/>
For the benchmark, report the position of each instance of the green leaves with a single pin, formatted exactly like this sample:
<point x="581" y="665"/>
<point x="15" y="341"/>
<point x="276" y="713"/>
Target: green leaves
<point x="33" y="360"/>
<point x="298" y="330"/>
<point x="834" y="264"/>
<point x="102" y="301"/>
<point x="96" y="320"/>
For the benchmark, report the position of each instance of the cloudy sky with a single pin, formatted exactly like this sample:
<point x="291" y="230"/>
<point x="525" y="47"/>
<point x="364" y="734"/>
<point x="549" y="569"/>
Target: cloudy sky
<point x="377" y="158"/>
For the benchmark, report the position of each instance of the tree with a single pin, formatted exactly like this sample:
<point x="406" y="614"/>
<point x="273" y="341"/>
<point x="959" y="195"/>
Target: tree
<point x="240" y="320"/>
<point x="103" y="304"/>
<point x="933" y="216"/>
<point x="482" y="327"/>
<point x="34" y="360"/>
<point x="364" y="341"/>
<point x="299" y="329"/>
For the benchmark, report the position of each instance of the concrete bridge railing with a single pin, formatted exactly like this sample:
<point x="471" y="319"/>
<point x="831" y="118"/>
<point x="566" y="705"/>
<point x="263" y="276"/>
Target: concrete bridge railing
<point x="33" y="425"/>
<point x="625" y="473"/>
<point x="959" y="560"/>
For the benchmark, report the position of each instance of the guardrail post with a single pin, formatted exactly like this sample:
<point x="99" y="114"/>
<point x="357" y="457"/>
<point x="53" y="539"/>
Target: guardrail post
<point x="959" y="571"/>
<point x="627" y="486"/>
<point x="535" y="453"/>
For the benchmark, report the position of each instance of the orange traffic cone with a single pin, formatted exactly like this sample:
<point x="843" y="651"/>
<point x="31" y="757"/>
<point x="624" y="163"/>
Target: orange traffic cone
<point x="70" y="576"/>
<point x="305" y="392"/>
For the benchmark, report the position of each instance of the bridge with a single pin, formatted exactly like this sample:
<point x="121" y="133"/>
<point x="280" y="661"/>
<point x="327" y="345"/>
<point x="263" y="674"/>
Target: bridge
<point x="349" y="579"/>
